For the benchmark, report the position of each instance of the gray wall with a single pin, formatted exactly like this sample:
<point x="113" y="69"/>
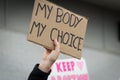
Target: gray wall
<point x="18" y="56"/>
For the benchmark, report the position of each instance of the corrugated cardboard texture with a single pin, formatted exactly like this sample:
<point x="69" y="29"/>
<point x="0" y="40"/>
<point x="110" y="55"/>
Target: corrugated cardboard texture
<point x="50" y="21"/>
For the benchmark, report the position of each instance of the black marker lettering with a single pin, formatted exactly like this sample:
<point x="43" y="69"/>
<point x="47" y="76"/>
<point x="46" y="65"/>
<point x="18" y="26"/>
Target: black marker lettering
<point x="43" y="28"/>
<point x="66" y="37"/>
<point x="41" y="7"/>
<point x="39" y="26"/>
<point x="66" y="17"/>
<point x="78" y="21"/>
<point x="74" y="42"/>
<point x="71" y="42"/>
<point x="46" y="8"/>
<point x="50" y="10"/>
<point x="60" y="36"/>
<point x="52" y="32"/>
<point x="72" y="20"/>
<point x="79" y="43"/>
<point x="35" y="25"/>
<point x="59" y="15"/>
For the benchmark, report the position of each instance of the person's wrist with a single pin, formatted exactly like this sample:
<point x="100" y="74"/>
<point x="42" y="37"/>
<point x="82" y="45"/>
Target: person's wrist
<point x="44" y="66"/>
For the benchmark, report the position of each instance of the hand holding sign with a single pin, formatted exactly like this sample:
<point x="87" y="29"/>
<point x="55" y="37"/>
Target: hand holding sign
<point x="50" y="21"/>
<point x="49" y="57"/>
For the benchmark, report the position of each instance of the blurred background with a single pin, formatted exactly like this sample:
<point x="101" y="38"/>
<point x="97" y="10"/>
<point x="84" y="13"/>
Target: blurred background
<point x="102" y="41"/>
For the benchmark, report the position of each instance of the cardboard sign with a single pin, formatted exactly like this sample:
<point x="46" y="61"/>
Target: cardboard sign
<point x="69" y="69"/>
<point x="50" y="21"/>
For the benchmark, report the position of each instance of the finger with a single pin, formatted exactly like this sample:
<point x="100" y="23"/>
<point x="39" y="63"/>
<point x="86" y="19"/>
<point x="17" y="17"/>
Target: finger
<point x="46" y="53"/>
<point x="57" y="46"/>
<point x="48" y="50"/>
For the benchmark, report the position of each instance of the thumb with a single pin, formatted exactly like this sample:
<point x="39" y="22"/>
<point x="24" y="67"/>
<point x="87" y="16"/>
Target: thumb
<point x="55" y="53"/>
<point x="57" y="46"/>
